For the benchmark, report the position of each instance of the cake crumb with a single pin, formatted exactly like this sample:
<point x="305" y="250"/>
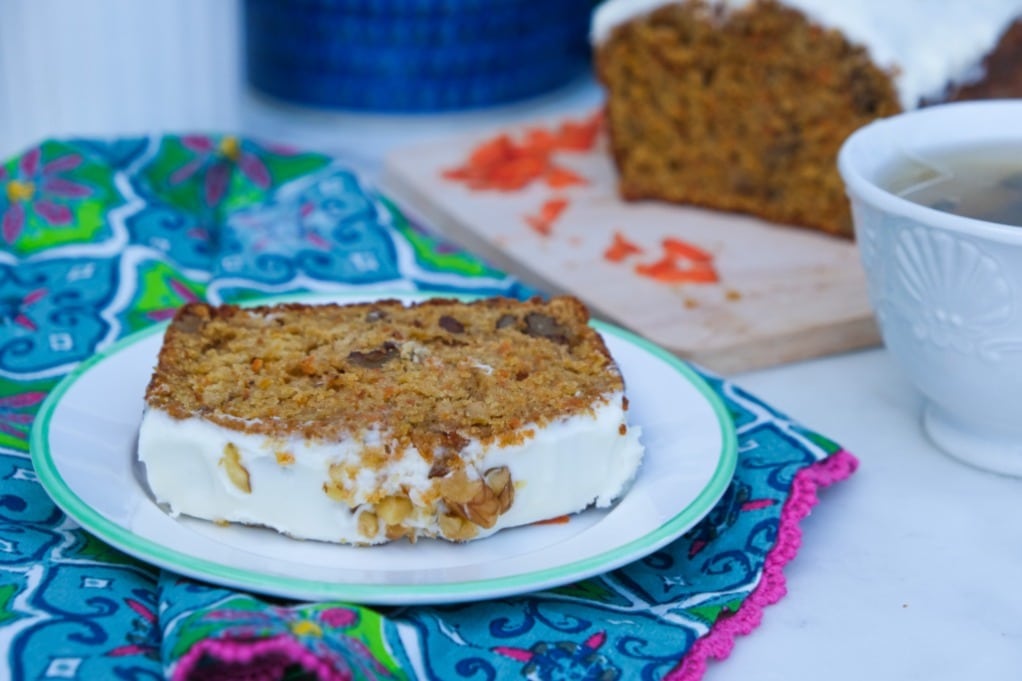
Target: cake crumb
<point x="620" y="248"/>
<point x="543" y="222"/>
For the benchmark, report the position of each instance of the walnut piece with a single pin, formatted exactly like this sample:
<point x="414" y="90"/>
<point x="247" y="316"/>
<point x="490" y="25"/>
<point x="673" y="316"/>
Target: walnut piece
<point x="456" y="528"/>
<point x="334" y="487"/>
<point x="236" y="473"/>
<point x="541" y="325"/>
<point x="368" y="524"/>
<point x="449" y="323"/>
<point x="506" y="320"/>
<point x="499" y="481"/>
<point x="394" y="509"/>
<point x="335" y="492"/>
<point x="480" y="501"/>
<point x="374" y="359"/>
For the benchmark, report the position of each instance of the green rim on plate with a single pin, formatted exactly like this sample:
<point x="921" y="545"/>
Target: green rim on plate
<point x="183" y="563"/>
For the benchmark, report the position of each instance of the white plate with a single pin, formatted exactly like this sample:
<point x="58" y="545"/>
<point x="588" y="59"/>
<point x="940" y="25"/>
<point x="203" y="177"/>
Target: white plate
<point x="83" y="449"/>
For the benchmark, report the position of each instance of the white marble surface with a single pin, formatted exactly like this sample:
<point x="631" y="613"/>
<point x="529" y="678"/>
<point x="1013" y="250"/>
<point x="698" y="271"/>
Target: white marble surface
<point x="907" y="570"/>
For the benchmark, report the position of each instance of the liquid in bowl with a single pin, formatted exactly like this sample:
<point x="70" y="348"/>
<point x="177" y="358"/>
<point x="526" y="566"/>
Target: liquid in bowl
<point x="982" y="182"/>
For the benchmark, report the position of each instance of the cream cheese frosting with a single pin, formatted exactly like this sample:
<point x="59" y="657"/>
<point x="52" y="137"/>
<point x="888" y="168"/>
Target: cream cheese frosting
<point x="926" y="45"/>
<point x="201" y="469"/>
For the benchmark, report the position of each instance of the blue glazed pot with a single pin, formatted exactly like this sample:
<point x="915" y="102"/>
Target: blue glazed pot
<point x="413" y="55"/>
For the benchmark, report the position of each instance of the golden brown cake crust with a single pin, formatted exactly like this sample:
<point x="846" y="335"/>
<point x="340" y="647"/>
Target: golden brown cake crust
<point x="433" y="374"/>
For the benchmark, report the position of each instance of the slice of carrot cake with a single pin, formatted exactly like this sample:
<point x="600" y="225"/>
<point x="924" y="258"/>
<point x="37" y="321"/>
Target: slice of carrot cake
<point x="370" y="422"/>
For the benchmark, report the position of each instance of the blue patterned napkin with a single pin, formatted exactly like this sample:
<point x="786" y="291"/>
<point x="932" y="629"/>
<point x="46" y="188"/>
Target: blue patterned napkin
<point x="99" y="239"/>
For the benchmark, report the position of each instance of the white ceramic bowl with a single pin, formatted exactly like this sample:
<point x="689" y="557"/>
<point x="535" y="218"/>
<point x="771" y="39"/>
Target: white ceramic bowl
<point x="946" y="290"/>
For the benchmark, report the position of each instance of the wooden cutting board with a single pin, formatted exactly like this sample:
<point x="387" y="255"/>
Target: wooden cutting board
<point x="783" y="294"/>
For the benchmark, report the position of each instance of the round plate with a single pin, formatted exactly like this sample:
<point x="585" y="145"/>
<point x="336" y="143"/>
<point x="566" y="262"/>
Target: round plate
<point x="83" y="449"/>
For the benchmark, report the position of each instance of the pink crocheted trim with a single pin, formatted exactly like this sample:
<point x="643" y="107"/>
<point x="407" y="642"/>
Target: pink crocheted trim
<point x="263" y="660"/>
<point x="718" y="643"/>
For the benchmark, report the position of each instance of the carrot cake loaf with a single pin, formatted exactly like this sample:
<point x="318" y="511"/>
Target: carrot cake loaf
<point x="742" y="105"/>
<point x="370" y="422"/>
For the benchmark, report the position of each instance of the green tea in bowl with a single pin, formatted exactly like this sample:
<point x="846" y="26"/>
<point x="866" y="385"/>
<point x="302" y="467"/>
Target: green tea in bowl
<point x="981" y="182"/>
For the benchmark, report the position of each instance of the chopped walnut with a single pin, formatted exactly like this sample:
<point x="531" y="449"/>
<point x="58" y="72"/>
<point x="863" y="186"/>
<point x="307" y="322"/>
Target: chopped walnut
<point x="456" y="528"/>
<point x="544" y="326"/>
<point x="368" y="524"/>
<point x="394" y="509"/>
<point x="236" y="473"/>
<point x="480" y="501"/>
<point x="374" y="359"/>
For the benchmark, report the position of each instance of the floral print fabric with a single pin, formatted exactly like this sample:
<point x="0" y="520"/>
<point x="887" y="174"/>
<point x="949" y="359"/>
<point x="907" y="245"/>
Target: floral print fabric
<point x="101" y="238"/>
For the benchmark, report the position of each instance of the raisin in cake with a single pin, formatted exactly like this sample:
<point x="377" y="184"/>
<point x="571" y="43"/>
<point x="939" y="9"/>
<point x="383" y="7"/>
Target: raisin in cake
<point x="369" y="422"/>
<point x="742" y="105"/>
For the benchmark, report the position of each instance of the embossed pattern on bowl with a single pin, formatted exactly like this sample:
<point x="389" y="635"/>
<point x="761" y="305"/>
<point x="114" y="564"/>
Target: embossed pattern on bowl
<point x="946" y="290"/>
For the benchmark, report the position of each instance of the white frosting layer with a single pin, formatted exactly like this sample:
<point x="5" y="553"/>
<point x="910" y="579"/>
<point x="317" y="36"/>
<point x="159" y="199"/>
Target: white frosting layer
<point x="563" y="469"/>
<point x="927" y="44"/>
